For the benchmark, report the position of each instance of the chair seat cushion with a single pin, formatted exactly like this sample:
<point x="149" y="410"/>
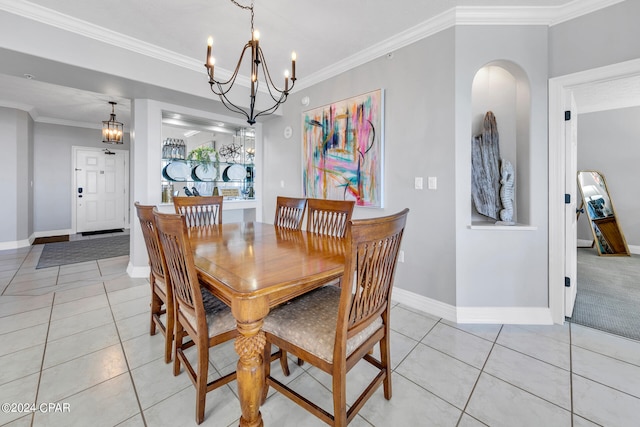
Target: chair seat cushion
<point x="161" y="284"/>
<point x="219" y="317"/>
<point x="309" y="322"/>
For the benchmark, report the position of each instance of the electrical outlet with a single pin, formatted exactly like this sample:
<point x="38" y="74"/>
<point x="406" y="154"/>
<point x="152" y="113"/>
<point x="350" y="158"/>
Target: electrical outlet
<point x="281" y="184"/>
<point x="401" y="256"/>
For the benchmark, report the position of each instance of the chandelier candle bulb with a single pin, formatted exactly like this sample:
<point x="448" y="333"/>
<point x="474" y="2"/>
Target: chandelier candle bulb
<point x="293" y="66"/>
<point x="212" y="62"/>
<point x="286" y="80"/>
<point x="209" y="46"/>
<point x="256" y="44"/>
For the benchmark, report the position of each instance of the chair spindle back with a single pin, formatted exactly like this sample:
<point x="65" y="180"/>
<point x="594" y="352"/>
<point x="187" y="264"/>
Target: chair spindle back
<point x="290" y="212"/>
<point x="199" y="211"/>
<point x="330" y="217"/>
<point x="173" y="232"/>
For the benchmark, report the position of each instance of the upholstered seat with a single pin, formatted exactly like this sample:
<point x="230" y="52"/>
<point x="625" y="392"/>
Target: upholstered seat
<point x="310" y="322"/>
<point x="218" y="314"/>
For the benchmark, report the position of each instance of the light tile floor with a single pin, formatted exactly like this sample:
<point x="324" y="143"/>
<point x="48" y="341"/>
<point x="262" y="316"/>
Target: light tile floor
<point x="78" y="335"/>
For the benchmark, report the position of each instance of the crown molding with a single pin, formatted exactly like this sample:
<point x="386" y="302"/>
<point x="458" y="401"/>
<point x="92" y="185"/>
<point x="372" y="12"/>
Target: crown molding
<point x="20" y="106"/>
<point x="577" y="8"/>
<point x="459" y="15"/>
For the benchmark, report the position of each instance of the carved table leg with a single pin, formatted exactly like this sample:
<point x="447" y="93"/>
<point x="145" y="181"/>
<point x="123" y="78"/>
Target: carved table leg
<point x="250" y="373"/>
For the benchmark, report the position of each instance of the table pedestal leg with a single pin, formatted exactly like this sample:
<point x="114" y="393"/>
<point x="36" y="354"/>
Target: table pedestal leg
<point x="250" y="373"/>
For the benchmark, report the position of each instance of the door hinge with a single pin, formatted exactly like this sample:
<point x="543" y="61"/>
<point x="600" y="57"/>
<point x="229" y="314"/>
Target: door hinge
<point x="567" y="282"/>
<point x="567" y="198"/>
<point x="567" y="115"/>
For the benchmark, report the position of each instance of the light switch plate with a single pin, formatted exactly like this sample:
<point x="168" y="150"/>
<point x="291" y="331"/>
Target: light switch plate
<point x="432" y="183"/>
<point x="418" y="183"/>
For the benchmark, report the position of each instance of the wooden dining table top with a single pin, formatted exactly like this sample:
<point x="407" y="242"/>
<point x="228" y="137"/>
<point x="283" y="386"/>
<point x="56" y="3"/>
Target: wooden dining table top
<point x="252" y="259"/>
<point x="253" y="267"/>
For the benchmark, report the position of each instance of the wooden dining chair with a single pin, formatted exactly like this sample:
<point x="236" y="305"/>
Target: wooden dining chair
<point x="199" y="211"/>
<point x="161" y="290"/>
<point x="329" y="217"/>
<point x="333" y="328"/>
<point x="198" y="313"/>
<point x="290" y="212"/>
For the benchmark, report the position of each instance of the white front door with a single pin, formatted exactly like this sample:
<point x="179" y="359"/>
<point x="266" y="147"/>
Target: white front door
<point x="100" y="193"/>
<point x="571" y="221"/>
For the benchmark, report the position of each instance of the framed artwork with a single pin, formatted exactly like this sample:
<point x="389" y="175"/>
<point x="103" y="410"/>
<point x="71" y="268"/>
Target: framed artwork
<point x="343" y="148"/>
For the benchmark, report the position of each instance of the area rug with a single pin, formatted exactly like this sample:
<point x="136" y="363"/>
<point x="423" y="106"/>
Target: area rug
<point x="608" y="296"/>
<point x="62" y="253"/>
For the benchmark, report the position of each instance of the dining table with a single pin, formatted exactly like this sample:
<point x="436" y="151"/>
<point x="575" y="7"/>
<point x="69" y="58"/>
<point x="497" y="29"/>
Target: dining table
<point x="253" y="267"/>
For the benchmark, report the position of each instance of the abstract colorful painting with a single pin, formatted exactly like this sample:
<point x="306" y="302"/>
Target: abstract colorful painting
<point x="342" y="150"/>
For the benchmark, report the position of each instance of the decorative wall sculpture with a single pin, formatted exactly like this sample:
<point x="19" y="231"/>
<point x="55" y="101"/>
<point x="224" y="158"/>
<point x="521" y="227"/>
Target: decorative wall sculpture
<point x="342" y="150"/>
<point x="507" y="182"/>
<point x="485" y="169"/>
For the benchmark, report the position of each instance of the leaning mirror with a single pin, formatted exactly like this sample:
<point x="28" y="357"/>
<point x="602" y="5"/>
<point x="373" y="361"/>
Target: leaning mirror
<point x="598" y="207"/>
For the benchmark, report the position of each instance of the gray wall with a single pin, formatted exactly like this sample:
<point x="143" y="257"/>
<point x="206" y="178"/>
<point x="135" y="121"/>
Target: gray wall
<point x="428" y="124"/>
<point x="608" y="143"/>
<point x="53" y="169"/>
<point x="418" y="84"/>
<point x="605" y="37"/>
<point x="508" y="266"/>
<point x="16" y="145"/>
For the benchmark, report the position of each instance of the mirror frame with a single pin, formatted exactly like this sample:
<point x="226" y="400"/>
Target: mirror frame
<point x="609" y="226"/>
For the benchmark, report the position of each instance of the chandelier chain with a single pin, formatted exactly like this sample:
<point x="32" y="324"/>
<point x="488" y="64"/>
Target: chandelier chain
<point x="245" y="7"/>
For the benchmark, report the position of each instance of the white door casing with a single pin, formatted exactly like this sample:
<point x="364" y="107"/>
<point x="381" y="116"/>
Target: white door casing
<point x="100" y="190"/>
<point x="561" y="89"/>
<point x="571" y="222"/>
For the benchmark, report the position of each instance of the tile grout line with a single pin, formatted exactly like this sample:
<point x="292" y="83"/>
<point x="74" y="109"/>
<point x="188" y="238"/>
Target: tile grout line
<point x="124" y="354"/>
<point x="571" y="374"/>
<point x="16" y="272"/>
<point x="475" y="384"/>
<point x="44" y="353"/>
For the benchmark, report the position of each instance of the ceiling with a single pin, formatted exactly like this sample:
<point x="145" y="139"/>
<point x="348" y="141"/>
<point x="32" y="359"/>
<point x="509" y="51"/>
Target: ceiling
<point x="329" y="37"/>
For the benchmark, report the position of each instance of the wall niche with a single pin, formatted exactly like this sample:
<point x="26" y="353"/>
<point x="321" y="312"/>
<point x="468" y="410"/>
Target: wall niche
<point x="503" y="88"/>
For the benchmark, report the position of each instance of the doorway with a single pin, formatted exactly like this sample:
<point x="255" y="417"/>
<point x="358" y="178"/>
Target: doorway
<point x="100" y="192"/>
<point x="562" y="91"/>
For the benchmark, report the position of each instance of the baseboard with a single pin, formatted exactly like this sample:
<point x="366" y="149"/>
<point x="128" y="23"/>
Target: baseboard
<point x="506" y="315"/>
<point x="136" y="272"/>
<point x="422" y="303"/>
<point x="487" y="315"/>
<point x="15" y="244"/>
<point x="634" y="249"/>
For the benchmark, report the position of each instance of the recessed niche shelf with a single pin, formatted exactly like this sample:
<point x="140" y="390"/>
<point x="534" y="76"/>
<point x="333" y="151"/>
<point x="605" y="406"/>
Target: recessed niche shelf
<point x="485" y="225"/>
<point x="503" y="88"/>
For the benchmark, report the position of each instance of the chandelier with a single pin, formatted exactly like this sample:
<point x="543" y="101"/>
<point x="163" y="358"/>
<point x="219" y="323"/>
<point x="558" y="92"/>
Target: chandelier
<point x="112" y="129"/>
<point x="258" y="63"/>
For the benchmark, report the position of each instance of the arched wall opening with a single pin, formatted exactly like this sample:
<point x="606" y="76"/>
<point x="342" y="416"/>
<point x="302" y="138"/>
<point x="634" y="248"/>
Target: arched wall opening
<point x="503" y="88"/>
